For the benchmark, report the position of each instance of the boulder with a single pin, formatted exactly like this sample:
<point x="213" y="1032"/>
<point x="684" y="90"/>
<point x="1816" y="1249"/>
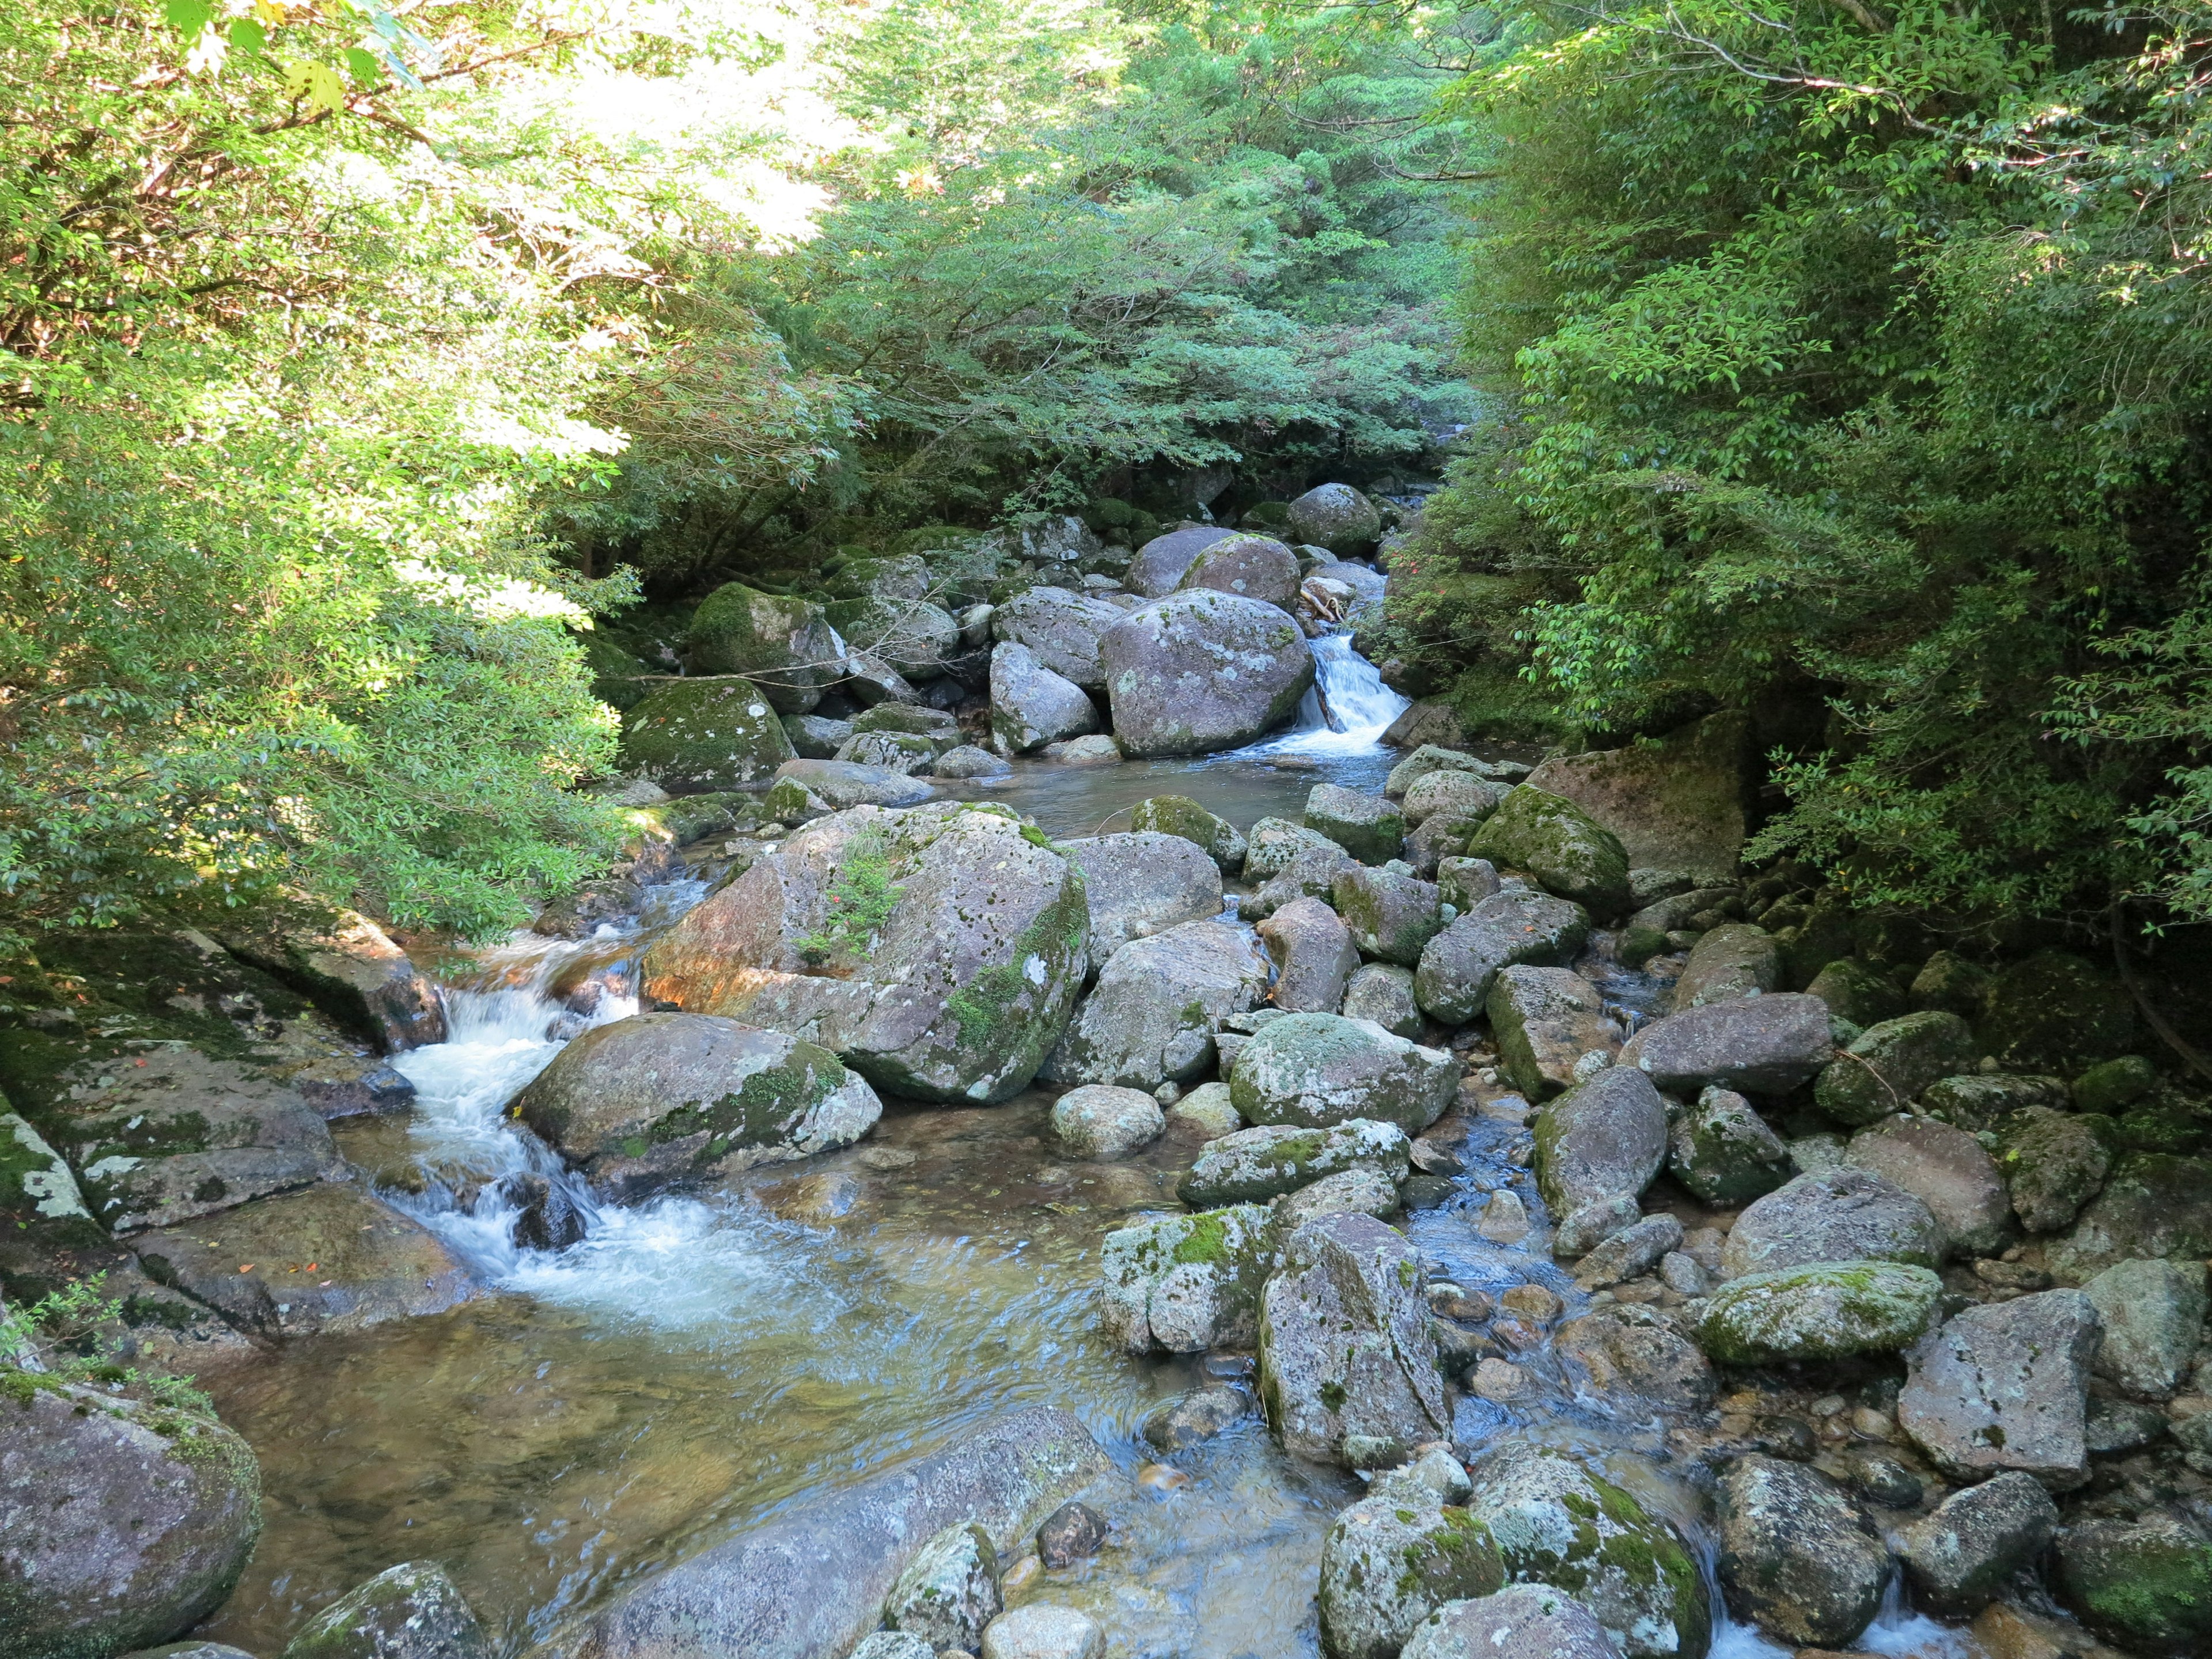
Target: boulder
<point x="2005" y="1386"/>
<point x="2052" y="1162"/>
<point x="2053" y="1010"/>
<point x="1314" y="957"/>
<point x="905" y="753"/>
<point x="1833" y="1215"/>
<point x="1061" y="630"/>
<point x="1819" y="1311"/>
<point x="1732" y="962"/>
<point x="1031" y="705"/>
<point x="1152" y="1018"/>
<point x="1383" y="993"/>
<point x="841" y="785"/>
<point x="1465" y="883"/>
<point x="1522" y="1621"/>
<point x="121" y="1524"/>
<point x="1192" y="1418"/>
<point x="1348" y="1192"/>
<point x="1634" y="1352"/>
<point x="1204" y="1114"/>
<point x="39" y="1198"/>
<point x="1255" y="566"/>
<point x="1722" y="1150"/>
<point x="1946" y="1169"/>
<point x="354" y="972"/>
<point x="949" y="1591"/>
<point x="1560" y="845"/>
<point x="1316" y="1070"/>
<point x="814" y="737"/>
<point x="1887" y="1065"/>
<point x="912" y="636"/>
<point x="892" y="1644"/>
<point x="1141" y="884"/>
<point x="1797" y="1557"/>
<point x="412" y="1611"/>
<point x="667" y="1096"/>
<point x="1429" y="757"/>
<point x="2146" y="1583"/>
<point x="1964" y="1551"/>
<point x="1675" y="804"/>
<point x="1392" y="916"/>
<point x="1254" y="1165"/>
<point x="1335" y="516"/>
<point x="1546" y="1020"/>
<point x="1603" y="1138"/>
<point x="1979" y="1102"/>
<point x="1311" y="873"/>
<point x="1158" y="569"/>
<point x="1201" y="671"/>
<point x="1630" y="1253"/>
<point x="2114" y="1085"/>
<point x="870" y="682"/>
<point x="2153" y="1204"/>
<point x="2152" y="1315"/>
<point x="1275" y="842"/>
<point x="1097" y="749"/>
<point x="1344" y="1345"/>
<point x="1450" y="792"/>
<point x="1390" y="1563"/>
<point x="935" y="952"/>
<point x="811" y="1580"/>
<point x="896" y="577"/>
<point x="911" y="718"/>
<point x="1038" y="1630"/>
<point x="1557" y="1523"/>
<point x="1179" y="814"/>
<point x="1452" y="983"/>
<point x="1442" y="837"/>
<point x="1368" y="827"/>
<point x="1762" y="1045"/>
<point x="696" y="736"/>
<point x="1184" y="1284"/>
<point x="785" y="645"/>
<point x="1103" y="1123"/>
<point x="968" y="762"/>
<point x="1857" y="991"/>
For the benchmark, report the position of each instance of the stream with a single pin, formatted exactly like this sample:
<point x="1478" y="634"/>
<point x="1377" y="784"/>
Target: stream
<point x="698" y="1363"/>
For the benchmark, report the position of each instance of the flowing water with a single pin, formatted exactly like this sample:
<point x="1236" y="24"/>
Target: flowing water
<point x="697" y="1363"/>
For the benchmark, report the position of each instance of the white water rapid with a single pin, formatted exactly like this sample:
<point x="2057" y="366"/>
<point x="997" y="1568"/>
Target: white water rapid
<point x="1348" y="709"/>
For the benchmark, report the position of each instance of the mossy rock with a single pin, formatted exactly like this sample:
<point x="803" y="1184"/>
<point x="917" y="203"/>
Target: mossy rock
<point x="1857" y="991"/>
<point x="1179" y="814"/>
<point x="2115" y="1085"/>
<point x="1887" y="1066"/>
<point x="705" y="736"/>
<point x="1571" y="853"/>
<point x="784" y="644"/>
<point x="2056" y="1010"/>
<point x="2147" y="1583"/>
<point x="1822" y="1310"/>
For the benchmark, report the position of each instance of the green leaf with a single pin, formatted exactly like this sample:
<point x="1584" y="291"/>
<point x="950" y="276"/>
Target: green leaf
<point x="188" y="17"/>
<point x="247" y="36"/>
<point x="363" y="66"/>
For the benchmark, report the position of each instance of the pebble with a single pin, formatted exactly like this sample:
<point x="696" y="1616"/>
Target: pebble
<point x="1504" y="1218"/>
<point x="1159" y="1479"/>
<point x="889" y="1158"/>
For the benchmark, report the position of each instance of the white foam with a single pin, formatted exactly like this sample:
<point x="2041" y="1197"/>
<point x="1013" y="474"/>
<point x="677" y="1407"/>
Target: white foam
<point x="1348" y="709"/>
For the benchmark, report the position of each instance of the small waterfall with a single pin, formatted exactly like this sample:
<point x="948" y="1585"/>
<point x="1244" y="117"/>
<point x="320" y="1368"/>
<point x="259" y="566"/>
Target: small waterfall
<point x="1348" y="709"/>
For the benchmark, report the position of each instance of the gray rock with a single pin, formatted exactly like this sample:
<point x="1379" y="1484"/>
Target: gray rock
<point x="1071" y="1532"/>
<point x="905" y="753"/>
<point x="1184" y="1284"/>
<point x="1311" y="872"/>
<point x="1103" y="1123"/>
<point x="1722" y="1150"/>
<point x="354" y="971"/>
<point x="2152" y="1315"/>
<point x="1628" y="1350"/>
<point x="1546" y="1020"/>
<point x="1390" y="1563"/>
<point x="1097" y="749"/>
<point x="1031" y="705"/>
<point x="1275" y="842"/>
<point x="133" y="1523"/>
<point x="1201" y="671"/>
<point x="2053" y="1163"/>
<point x="1384" y="993"/>
<point x="1560" y="845"/>
<point x="1679" y="803"/>
<point x="1728" y="964"/>
<point x="1315" y="1070"/>
<point x="1630" y="1253"/>
<point x="2153" y="1205"/>
<point x="38" y="1195"/>
<point x="196" y="1651"/>
<point x="1961" y="1555"/>
<point x="949" y="1591"/>
<point x="1392" y="916"/>
<point x="1857" y="991"/>
<point x="815" y="737"/>
<point x="1152" y="1015"/>
<point x="1797" y="1557"/>
<point x="1522" y="1621"/>
<point x="1252" y="1165"/>
<point x="784" y="646"/>
<point x="1765" y="1045"/>
<point x="2148" y="1582"/>
<point x="1950" y="982"/>
<point x="1820" y="1311"/>
<point x="1335" y="516"/>
<point x="841" y="785"/>
<point x="968" y="762"/>
<point x="1833" y="1215"/>
<point x="1255" y="566"/>
<point x="1887" y="1065"/>
<point x="912" y="636"/>
<point x="1349" y="1192"/>
<point x="1039" y="1630"/>
<point x="870" y="681"/>
<point x="1158" y="569"/>
<point x="2005" y="1386"/>
<point x="1314" y="957"/>
<point x="1980" y="1100"/>
<point x="662" y="1097"/>
<point x="1367" y="827"/>
<point x="1557" y="1523"/>
<point x="1588" y="1226"/>
<point x="2119" y="1425"/>
<point x="1947" y="1169"/>
<point x="1605" y="1138"/>
<point x="1344" y="1347"/>
<point x="950" y="980"/>
<point x="1443" y="836"/>
<point x="892" y="1644"/>
<point x="1192" y="1418"/>
<point x="412" y="1611"/>
<point x="1204" y="1114"/>
<point x="1061" y="630"/>
<point x="1179" y="814"/>
<point x="1141" y="884"/>
<point x="1453" y="981"/>
<point x="1451" y="792"/>
<point x="1433" y="757"/>
<point x="696" y="736"/>
<point x="812" y="1580"/>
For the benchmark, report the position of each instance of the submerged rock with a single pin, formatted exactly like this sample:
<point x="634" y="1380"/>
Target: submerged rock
<point x="1629" y="1351"/>
<point x="1103" y="1123"/>
<point x="1184" y="1284"/>
<point x="1315" y="1070"/>
<point x="1039" y="1630"/>
<point x="412" y="1611"/>
<point x="1192" y="1418"/>
<point x="1797" y="1557"/>
<point x="1201" y="671"/>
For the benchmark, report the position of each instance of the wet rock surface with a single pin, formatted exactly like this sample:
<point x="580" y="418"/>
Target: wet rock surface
<point x="1797" y="1556"/>
<point x="412" y="1611"/>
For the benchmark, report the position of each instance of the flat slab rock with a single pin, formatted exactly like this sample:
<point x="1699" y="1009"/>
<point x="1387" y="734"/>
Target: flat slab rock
<point x="2005" y="1385"/>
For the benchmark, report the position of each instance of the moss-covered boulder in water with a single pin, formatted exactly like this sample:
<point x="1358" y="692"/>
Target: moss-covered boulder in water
<point x="1188" y="1282"/>
<point x="412" y="1611"/>
<point x="1390" y="1561"/>
<point x="1546" y="1021"/>
<point x="1887" y="1066"/>
<point x="1368" y="827"/>
<point x="1315" y="1070"/>
<point x="1179" y="814"/>
<point x="1570" y="852"/>
<point x="1252" y="1165"/>
<point x="1154" y="1013"/>
<point x="1822" y="1310"/>
<point x="785" y="645"/>
<point x="2056" y="1010"/>
<point x="696" y="736"/>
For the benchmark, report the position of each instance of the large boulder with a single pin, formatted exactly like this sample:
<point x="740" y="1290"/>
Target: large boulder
<point x="1760" y="1045"/>
<point x="1031" y="705"/>
<point x="2152" y="1315"/>
<point x="1820" y="1311"/>
<point x="2052" y="1162"/>
<point x="1158" y="569"/>
<point x="811" y="1580"/>
<point x="1179" y="814"/>
<point x="1734" y="961"/>
<point x="1724" y="1152"/>
<point x="1545" y="1021"/>
<point x="1522" y="1621"/>
<point x="1603" y="1138"/>
<point x="936" y="951"/>
<point x="1152" y="1015"/>
<point x="2146" y="1583"/>
<point x="1345" y="1350"/>
<point x="700" y="736"/>
<point x="1457" y="966"/>
<point x="1200" y="672"/>
<point x="842" y="784"/>
<point x="1254" y="1165"/>
<point x="1335" y="516"/>
<point x="1560" y="845"/>
<point x="903" y="752"/>
<point x="1316" y="1070"/>
<point x="1392" y="1560"/>
<point x="1833" y="1215"/>
<point x="2052" y="1010"/>
<point x="1946" y="1169"/>
<point x="1392" y="916"/>
<point x="660" y="1097"/>
<point x="1963" y="1552"/>
<point x="1887" y="1065"/>
<point x="2154" y="1204"/>
<point x="1675" y="804"/>
<point x="1274" y="842"/>
<point x="1184" y="1284"/>
<point x="121" y="1525"/>
<point x="1255" y="567"/>
<point x="354" y="971"/>
<point x="1798" y="1558"/>
<point x="1450" y="792"/>
<point x="1857" y="991"/>
<point x="1141" y="884"/>
<point x="785" y="645"/>
<point x="2005" y="1386"/>
<point x="1557" y="1523"/>
<point x="412" y="1611"/>
<point x="1368" y="827"/>
<point x="1061" y="630"/>
<point x="912" y="636"/>
<point x="1314" y="955"/>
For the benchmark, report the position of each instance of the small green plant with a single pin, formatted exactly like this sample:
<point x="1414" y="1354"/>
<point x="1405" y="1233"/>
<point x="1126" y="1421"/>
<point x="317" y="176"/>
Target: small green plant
<point x="59" y="1336"/>
<point x="862" y="896"/>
